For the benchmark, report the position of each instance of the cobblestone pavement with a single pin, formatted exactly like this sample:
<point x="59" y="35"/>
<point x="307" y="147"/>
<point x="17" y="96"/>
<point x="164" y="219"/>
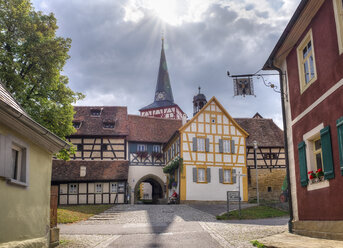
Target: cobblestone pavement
<point x="165" y="226"/>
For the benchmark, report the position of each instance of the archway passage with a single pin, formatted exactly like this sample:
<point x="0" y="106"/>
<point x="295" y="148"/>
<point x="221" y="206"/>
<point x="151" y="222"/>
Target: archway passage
<point x="157" y="189"/>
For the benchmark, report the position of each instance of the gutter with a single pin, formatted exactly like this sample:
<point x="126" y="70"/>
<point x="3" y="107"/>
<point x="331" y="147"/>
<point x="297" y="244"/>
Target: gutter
<point x="272" y="66"/>
<point x="51" y="137"/>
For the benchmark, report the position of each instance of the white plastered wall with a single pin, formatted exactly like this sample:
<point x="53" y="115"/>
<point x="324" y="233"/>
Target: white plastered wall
<point x="213" y="191"/>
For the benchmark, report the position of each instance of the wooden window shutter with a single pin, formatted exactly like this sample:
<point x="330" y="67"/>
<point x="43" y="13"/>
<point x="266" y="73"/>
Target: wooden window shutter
<point x="6" y="168"/>
<point x="195" y="144"/>
<point x="325" y="139"/>
<point x="195" y="174"/>
<point x="340" y="141"/>
<point x="221" y="175"/>
<point x="207" y="145"/>
<point x="2" y="155"/>
<point x="208" y="175"/>
<point x="221" y="146"/>
<point x="233" y="146"/>
<point x="302" y="163"/>
<point x="234" y="177"/>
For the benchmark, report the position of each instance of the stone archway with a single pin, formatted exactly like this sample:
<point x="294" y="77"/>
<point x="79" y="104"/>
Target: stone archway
<point x="158" y="188"/>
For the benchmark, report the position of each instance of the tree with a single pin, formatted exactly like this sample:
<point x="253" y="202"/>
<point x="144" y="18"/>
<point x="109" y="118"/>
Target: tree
<point x="31" y="61"/>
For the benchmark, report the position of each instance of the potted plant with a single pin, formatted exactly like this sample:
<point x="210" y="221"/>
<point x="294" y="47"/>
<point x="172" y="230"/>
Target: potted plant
<point x="312" y="176"/>
<point x="320" y="174"/>
<point x="157" y="155"/>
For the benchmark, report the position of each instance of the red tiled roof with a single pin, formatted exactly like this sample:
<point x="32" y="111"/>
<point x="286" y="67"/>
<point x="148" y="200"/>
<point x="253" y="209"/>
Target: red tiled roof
<point x="66" y="171"/>
<point x="151" y="129"/>
<point x="93" y="125"/>
<point x="264" y="131"/>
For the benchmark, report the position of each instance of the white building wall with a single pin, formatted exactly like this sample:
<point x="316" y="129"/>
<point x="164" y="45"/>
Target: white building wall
<point x="213" y="191"/>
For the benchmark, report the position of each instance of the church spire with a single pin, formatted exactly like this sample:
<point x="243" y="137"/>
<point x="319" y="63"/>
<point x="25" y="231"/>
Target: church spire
<point x="163" y="90"/>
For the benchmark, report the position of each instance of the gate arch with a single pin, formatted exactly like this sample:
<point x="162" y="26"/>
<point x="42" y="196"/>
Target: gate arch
<point x="158" y="187"/>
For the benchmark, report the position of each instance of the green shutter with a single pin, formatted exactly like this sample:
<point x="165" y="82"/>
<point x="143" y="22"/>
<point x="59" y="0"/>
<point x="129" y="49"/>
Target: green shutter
<point x="340" y="141"/>
<point x="221" y="175"/>
<point x="220" y="145"/>
<point x="207" y="144"/>
<point x="208" y="175"/>
<point x="325" y="139"/>
<point x="194" y="144"/>
<point x="195" y="174"/>
<point x="302" y="163"/>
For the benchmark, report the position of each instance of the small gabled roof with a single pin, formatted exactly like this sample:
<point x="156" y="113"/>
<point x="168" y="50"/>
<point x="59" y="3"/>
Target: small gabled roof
<point x="213" y="99"/>
<point x="264" y="131"/>
<point x="96" y="170"/>
<point x="14" y="116"/>
<point x="94" y="125"/>
<point x="151" y="129"/>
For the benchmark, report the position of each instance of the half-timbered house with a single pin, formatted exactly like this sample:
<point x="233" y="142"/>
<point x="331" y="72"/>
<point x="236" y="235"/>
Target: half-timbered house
<point x="98" y="172"/>
<point x="213" y="149"/>
<point x="270" y="157"/>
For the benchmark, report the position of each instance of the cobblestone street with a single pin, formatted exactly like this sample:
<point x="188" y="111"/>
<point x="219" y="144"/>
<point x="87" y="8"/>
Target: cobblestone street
<point x="165" y="226"/>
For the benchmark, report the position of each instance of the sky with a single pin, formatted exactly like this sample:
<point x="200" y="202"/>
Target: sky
<point x="116" y="48"/>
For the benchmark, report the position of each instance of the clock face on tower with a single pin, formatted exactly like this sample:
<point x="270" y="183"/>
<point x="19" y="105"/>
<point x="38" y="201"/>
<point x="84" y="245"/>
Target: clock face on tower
<point x="160" y="96"/>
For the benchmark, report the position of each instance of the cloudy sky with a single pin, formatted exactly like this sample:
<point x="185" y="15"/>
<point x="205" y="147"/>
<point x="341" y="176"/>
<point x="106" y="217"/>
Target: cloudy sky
<point x="116" y="49"/>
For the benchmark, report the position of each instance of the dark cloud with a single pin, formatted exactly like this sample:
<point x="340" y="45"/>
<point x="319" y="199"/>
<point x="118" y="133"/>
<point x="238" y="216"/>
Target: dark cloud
<point x="116" y="62"/>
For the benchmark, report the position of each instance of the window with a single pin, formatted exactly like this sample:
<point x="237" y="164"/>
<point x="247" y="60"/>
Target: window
<point x="77" y="124"/>
<point x="121" y="187"/>
<point x="95" y="112"/>
<point x="141" y="148"/>
<point x="72" y="188"/>
<point x="201" y="144"/>
<point x="156" y="148"/>
<point x="227" y="176"/>
<point x="114" y="187"/>
<point x="306" y="62"/>
<point x="79" y="147"/>
<point x="213" y="120"/>
<point x="98" y="188"/>
<point x="104" y="147"/>
<point x="338" y="8"/>
<point x="108" y="124"/>
<point x="201" y="175"/>
<point x="226" y="146"/>
<point x="14" y="160"/>
<point x="317" y="152"/>
<point x="270" y="156"/>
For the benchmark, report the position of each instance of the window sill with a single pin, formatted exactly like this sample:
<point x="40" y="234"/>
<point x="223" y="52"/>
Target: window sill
<point x="318" y="185"/>
<point x="17" y="183"/>
<point x="202" y="182"/>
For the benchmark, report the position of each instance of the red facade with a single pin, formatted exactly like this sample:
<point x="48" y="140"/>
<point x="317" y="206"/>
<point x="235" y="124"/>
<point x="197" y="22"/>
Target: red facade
<point x="325" y="203"/>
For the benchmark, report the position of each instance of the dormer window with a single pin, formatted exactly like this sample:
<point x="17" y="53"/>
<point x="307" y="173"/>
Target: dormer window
<point x="76" y="124"/>
<point x="95" y="112"/>
<point x="108" y="124"/>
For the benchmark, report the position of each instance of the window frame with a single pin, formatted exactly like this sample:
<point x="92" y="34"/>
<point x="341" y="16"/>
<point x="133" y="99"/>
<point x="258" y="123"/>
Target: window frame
<point x="156" y="150"/>
<point x="96" y="188"/>
<point x="231" y="180"/>
<point x="228" y="146"/>
<point x="301" y="61"/>
<point x="116" y="188"/>
<point x="142" y="145"/>
<point x="338" y="12"/>
<point x="73" y="191"/>
<point x="7" y="143"/>
<point x="309" y="138"/>
<point x="315" y="152"/>
<point x="198" y="144"/>
<point x="205" y="174"/>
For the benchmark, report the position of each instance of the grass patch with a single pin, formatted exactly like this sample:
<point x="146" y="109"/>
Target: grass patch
<point x="71" y="214"/>
<point x="257" y="212"/>
<point x="257" y="244"/>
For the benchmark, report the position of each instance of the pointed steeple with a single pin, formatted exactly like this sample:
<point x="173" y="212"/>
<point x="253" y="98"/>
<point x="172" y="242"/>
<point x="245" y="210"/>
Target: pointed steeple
<point x="163" y="90"/>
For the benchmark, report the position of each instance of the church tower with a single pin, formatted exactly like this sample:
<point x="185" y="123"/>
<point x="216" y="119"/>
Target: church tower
<point x="163" y="105"/>
<point x="199" y="101"/>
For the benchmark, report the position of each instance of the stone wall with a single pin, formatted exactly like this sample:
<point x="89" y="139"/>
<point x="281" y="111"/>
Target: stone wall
<point x="269" y="183"/>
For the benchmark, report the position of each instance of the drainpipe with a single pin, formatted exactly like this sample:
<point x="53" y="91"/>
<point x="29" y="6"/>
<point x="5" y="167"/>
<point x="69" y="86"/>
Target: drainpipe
<point x="271" y="64"/>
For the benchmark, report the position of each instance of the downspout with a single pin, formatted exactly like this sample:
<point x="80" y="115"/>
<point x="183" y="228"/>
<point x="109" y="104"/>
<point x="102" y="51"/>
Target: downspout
<point x="271" y="64"/>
